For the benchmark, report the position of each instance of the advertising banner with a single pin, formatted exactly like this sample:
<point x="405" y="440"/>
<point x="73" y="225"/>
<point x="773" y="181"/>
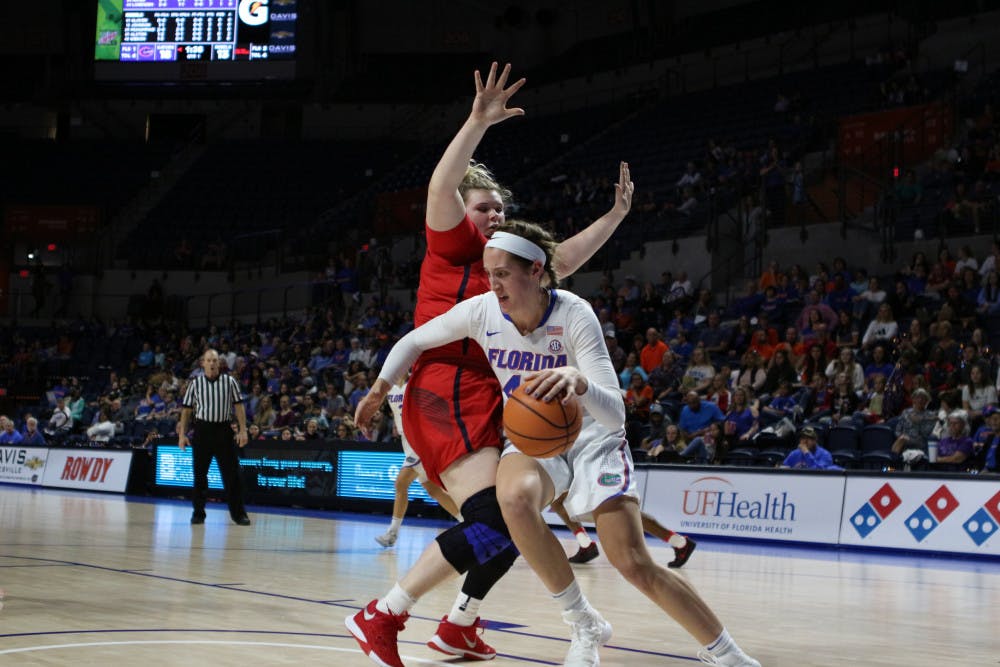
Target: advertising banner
<point x="22" y="465"/>
<point x="775" y="506"/>
<point x="91" y="469"/>
<point x="954" y="515"/>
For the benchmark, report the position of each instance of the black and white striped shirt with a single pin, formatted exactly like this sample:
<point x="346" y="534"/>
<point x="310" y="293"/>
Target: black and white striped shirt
<point x="213" y="400"/>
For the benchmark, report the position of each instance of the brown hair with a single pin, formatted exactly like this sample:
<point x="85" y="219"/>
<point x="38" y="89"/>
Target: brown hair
<point x="539" y="236"/>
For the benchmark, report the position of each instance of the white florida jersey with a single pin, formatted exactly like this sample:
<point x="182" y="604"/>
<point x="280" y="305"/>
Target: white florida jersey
<point x="568" y="335"/>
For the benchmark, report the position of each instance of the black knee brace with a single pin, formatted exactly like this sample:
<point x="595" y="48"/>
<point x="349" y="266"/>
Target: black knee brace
<point x="481" y="578"/>
<point x="480" y="537"/>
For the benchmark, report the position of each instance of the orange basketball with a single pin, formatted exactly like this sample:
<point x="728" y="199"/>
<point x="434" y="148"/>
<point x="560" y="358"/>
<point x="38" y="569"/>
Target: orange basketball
<point x="538" y="428"/>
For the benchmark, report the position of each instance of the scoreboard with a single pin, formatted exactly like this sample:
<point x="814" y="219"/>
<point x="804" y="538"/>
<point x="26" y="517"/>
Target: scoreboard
<point x="147" y="33"/>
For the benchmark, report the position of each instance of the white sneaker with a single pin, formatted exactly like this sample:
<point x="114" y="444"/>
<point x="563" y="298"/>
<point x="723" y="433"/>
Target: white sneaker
<point x="589" y="632"/>
<point x="734" y="658"/>
<point x="388" y="539"/>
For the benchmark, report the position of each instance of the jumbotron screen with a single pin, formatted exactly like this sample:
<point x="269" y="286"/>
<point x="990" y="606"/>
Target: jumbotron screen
<point x="161" y="40"/>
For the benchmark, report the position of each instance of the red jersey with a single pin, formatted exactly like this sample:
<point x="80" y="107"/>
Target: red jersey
<point x="451" y="272"/>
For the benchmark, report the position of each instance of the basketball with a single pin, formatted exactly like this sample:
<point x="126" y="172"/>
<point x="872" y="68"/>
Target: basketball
<point x="538" y="428"/>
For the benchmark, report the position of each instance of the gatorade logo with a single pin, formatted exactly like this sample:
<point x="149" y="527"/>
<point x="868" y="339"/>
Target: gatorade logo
<point x="253" y="12"/>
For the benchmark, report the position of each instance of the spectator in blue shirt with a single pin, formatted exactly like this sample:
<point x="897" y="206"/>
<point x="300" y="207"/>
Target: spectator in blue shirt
<point x="696" y="415"/>
<point x="809" y="454"/>
<point x="32" y="436"/>
<point x="8" y="434"/>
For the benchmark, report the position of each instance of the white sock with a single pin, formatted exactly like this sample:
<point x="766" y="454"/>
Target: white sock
<point x="572" y="599"/>
<point x="397" y="521"/>
<point x="677" y="541"/>
<point x="583" y="538"/>
<point x="395" y="602"/>
<point x="465" y="611"/>
<point x="722" y="645"/>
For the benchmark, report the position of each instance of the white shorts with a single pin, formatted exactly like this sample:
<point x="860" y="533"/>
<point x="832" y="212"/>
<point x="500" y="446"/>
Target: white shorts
<point x="413" y="461"/>
<point x="591" y="472"/>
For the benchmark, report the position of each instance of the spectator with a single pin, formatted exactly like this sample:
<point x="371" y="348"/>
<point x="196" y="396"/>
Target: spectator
<point x="845" y="363"/>
<point x="751" y="374"/>
<point x="665" y="379"/>
<point x="699" y="373"/>
<point x="60" y="421"/>
<point x="264" y="416"/>
<point x="696" y="415"/>
<point x="631" y="367"/>
<point x="882" y="329"/>
<point x="742" y="419"/>
<point x="652" y="352"/>
<point x="617" y="354"/>
<point x="718" y="391"/>
<point x="879" y="364"/>
<point x="915" y="425"/>
<point x="8" y="434"/>
<point x="713" y="338"/>
<point x="146" y="357"/>
<point x="32" y="436"/>
<point x="670" y="448"/>
<point x="985" y="440"/>
<point x="868" y="301"/>
<point x="705" y="448"/>
<point x="809" y="454"/>
<point x="956" y="445"/>
<point x="104" y="429"/>
<point x="843" y="400"/>
<point x="978" y="393"/>
<point x="779" y="370"/>
<point x="286" y="415"/>
<point x="638" y="398"/>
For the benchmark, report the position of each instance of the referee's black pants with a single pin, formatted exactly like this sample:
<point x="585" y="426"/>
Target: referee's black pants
<point x="216" y="439"/>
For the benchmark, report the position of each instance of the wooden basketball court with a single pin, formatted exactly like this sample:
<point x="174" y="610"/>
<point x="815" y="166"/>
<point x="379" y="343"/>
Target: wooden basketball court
<point x="101" y="580"/>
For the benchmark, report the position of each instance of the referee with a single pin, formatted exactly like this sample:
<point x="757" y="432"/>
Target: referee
<point x="213" y="398"/>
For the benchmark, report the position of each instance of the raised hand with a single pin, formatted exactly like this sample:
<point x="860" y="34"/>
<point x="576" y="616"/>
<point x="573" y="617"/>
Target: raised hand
<point x="623" y="191"/>
<point x="490" y="105"/>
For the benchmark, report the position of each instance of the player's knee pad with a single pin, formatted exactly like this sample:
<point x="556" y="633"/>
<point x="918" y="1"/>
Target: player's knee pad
<point x="481" y="578"/>
<point x="480" y="537"/>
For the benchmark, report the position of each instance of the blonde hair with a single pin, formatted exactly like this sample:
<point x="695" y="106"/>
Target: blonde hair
<point x="479" y="177"/>
<point x="539" y="236"/>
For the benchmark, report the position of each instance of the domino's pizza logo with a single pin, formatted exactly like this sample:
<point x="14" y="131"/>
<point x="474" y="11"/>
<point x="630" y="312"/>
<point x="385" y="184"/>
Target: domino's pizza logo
<point x="926" y="518"/>
<point x="981" y="525"/>
<point x="878" y="508"/>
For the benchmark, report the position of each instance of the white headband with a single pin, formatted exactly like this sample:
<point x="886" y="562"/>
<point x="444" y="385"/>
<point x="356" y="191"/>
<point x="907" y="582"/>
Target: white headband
<point x="517" y="245"/>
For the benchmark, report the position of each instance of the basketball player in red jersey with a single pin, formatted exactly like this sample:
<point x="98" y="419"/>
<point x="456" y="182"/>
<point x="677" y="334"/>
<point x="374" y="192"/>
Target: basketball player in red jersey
<point x="452" y="406"/>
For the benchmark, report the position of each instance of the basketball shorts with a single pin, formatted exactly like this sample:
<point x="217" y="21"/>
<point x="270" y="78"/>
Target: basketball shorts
<point x="413" y="461"/>
<point x="450" y="411"/>
<point x="594" y="470"/>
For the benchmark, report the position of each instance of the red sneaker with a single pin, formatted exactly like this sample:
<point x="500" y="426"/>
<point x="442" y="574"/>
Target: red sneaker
<point x="462" y="640"/>
<point x="376" y="632"/>
<point x="681" y="555"/>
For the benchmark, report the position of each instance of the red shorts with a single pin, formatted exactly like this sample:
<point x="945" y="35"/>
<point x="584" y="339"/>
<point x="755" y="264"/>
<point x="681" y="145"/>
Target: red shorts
<point x="450" y="410"/>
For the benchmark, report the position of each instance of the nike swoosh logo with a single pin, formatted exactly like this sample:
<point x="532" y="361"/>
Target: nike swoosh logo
<point x="368" y="616"/>
<point x="470" y="643"/>
<point x="492" y="333"/>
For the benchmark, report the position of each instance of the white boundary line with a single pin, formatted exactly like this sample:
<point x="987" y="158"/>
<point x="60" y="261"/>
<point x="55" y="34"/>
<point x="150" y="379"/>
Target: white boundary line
<point x="316" y="647"/>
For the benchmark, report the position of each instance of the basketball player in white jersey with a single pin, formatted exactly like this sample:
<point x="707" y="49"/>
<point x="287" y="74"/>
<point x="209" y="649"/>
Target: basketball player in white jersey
<point x="551" y="341"/>
<point x="411" y="470"/>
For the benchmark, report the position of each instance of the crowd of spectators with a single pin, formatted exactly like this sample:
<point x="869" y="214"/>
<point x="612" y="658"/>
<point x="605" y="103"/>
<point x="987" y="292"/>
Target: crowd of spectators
<point x="303" y="376"/>
<point x="829" y="347"/>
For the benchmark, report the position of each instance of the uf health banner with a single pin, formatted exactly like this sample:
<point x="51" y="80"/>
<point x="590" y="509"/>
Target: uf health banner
<point x="22" y="465"/>
<point x="954" y="515"/>
<point x="92" y="469"/>
<point x="782" y="506"/>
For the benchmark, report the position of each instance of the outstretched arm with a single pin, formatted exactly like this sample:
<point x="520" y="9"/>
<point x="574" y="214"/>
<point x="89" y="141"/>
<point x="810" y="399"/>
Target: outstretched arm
<point x="576" y="250"/>
<point x="445" y="208"/>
